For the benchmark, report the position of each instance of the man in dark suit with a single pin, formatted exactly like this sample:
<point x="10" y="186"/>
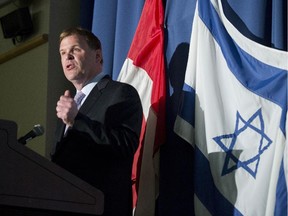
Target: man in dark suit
<point x="96" y="139"/>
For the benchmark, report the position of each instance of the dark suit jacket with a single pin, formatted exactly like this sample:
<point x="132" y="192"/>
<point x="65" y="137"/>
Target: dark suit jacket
<point x="99" y="148"/>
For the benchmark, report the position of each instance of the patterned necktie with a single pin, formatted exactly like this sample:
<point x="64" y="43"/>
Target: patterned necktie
<point x="78" y="98"/>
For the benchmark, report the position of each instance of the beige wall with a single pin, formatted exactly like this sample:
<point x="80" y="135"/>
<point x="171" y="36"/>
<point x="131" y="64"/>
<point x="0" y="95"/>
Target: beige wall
<point x="31" y="83"/>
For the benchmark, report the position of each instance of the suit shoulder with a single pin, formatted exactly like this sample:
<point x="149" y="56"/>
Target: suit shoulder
<point x="107" y="81"/>
<point x="123" y="85"/>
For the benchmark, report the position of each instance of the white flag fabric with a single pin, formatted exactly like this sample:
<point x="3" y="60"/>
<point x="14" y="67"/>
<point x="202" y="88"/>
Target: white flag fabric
<point x="234" y="113"/>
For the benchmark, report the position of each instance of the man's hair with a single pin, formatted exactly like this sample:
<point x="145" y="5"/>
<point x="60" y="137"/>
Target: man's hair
<point x="91" y="39"/>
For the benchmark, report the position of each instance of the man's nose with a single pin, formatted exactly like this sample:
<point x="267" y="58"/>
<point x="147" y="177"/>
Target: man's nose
<point x="69" y="56"/>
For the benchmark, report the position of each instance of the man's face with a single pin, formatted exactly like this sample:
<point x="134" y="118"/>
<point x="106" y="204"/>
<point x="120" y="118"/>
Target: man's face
<point x="78" y="59"/>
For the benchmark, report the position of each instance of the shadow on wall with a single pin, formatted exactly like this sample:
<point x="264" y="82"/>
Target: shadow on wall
<point x="176" y="160"/>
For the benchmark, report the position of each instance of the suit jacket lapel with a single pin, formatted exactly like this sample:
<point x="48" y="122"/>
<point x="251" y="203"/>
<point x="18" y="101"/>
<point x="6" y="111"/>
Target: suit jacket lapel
<point x="92" y="97"/>
<point x="88" y="103"/>
<point x="94" y="94"/>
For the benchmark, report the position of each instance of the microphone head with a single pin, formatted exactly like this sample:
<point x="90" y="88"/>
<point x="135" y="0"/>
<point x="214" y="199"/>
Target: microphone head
<point x="38" y="130"/>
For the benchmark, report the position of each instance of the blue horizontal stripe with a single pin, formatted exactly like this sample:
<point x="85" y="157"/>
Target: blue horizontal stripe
<point x="262" y="79"/>
<point x="206" y="190"/>
<point x="281" y="194"/>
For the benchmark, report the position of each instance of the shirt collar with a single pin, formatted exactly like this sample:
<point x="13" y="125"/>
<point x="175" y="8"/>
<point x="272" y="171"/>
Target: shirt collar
<point x="91" y="84"/>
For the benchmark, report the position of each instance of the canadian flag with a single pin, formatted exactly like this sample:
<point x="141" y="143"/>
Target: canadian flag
<point x="144" y="69"/>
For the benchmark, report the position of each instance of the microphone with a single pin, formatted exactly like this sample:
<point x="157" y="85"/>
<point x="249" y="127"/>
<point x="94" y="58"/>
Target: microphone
<point x="37" y="130"/>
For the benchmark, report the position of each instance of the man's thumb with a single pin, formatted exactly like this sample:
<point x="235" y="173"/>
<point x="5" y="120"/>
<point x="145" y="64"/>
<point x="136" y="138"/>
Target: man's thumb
<point x="67" y="93"/>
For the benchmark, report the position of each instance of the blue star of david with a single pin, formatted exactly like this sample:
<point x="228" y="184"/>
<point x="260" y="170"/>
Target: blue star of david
<point x="232" y="161"/>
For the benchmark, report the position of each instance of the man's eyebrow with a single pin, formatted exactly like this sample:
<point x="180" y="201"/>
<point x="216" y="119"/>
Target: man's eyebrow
<point x="61" y="50"/>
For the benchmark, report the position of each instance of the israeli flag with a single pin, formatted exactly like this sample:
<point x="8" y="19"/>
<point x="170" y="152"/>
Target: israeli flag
<point x="234" y="113"/>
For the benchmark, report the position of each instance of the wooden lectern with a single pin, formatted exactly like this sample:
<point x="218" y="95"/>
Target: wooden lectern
<point x="32" y="185"/>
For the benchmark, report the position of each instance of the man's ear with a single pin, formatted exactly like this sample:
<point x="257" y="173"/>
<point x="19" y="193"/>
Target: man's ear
<point x="99" y="57"/>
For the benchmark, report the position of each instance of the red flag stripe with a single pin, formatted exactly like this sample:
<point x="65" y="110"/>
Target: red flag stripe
<point x="146" y="51"/>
